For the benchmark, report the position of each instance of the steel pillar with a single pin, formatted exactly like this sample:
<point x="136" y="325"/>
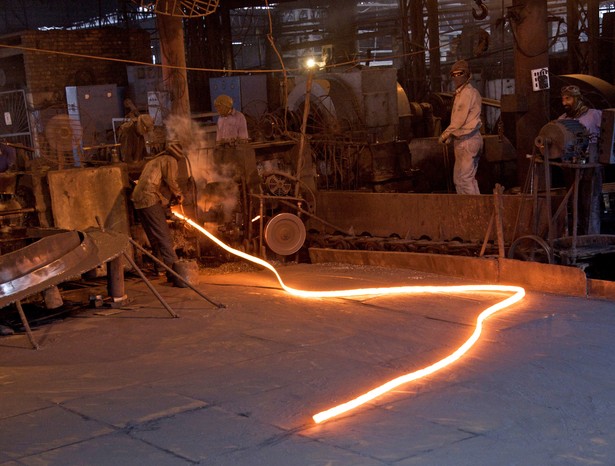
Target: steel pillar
<point x="529" y="22"/>
<point x="583" y="36"/>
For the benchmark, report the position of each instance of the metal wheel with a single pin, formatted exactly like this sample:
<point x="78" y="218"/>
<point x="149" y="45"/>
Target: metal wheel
<point x="285" y="234"/>
<point x="531" y="248"/>
<point x="282" y="184"/>
<point x="278" y="185"/>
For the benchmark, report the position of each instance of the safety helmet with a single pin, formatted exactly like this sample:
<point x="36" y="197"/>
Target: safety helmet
<point x="572" y="91"/>
<point x="145" y="123"/>
<point x="224" y="101"/>
<point x="460" y="68"/>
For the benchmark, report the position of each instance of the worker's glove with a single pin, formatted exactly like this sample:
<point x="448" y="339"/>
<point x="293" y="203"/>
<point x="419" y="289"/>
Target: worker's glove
<point x="179" y="199"/>
<point x="444" y="140"/>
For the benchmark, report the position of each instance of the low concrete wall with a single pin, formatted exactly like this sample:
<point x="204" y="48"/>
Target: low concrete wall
<point x="547" y="278"/>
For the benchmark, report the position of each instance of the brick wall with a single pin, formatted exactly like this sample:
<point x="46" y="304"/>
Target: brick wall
<point x="48" y="74"/>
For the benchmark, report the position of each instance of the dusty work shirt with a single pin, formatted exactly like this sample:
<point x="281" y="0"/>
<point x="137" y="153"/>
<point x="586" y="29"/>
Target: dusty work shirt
<point x="162" y="169"/>
<point x="232" y="128"/>
<point x="592" y="120"/>
<point x="465" y="116"/>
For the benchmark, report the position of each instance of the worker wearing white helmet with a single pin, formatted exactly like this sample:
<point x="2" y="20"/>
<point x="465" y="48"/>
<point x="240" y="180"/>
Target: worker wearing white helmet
<point x="464" y="130"/>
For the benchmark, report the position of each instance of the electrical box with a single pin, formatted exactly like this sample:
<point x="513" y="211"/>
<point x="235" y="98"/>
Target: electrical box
<point x="95" y="107"/>
<point x="249" y="93"/>
<point x="141" y="81"/>
<point x="606" y="143"/>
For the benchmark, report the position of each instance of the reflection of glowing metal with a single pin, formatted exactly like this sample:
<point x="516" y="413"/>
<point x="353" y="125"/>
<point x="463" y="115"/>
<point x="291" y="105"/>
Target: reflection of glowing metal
<point x="518" y="294"/>
<point x="382" y="389"/>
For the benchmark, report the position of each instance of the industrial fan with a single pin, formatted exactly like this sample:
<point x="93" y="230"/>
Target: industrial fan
<point x="63" y="134"/>
<point x="181" y="8"/>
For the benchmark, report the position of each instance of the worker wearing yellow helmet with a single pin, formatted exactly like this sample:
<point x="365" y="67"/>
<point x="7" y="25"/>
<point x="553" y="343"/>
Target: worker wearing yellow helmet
<point x="231" y="127"/>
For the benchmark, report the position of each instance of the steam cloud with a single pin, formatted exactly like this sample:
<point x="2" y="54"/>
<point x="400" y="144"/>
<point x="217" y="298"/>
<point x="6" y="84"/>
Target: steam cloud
<point x="216" y="189"/>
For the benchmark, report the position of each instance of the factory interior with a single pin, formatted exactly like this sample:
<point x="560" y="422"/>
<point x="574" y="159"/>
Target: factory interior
<point x="298" y="246"/>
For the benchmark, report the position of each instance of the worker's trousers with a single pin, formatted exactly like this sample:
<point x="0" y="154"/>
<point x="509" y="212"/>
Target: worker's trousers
<point x="467" y="156"/>
<point x="154" y="223"/>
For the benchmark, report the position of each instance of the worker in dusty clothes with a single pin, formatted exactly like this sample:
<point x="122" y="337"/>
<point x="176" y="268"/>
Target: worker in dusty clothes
<point x="133" y="132"/>
<point x="590" y="186"/>
<point x="160" y="174"/>
<point x="464" y="129"/>
<point x="231" y="138"/>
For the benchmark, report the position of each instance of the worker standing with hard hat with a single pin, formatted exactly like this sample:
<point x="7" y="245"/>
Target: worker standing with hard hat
<point x="232" y="149"/>
<point x="232" y="127"/>
<point x="590" y="186"/>
<point x="464" y="130"/>
<point x="159" y="173"/>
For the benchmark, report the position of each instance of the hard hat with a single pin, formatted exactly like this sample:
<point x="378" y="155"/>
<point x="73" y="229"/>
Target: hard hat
<point x="224" y="101"/>
<point x="572" y="91"/>
<point x="145" y="123"/>
<point x="460" y="65"/>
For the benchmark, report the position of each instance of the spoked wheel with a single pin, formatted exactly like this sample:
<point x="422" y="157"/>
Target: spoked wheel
<point x="531" y="248"/>
<point x="283" y="184"/>
<point x="278" y="185"/>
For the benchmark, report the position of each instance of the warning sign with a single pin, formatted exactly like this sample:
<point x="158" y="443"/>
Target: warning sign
<point x="540" y="79"/>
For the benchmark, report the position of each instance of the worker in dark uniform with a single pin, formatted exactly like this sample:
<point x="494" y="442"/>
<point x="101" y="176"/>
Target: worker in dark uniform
<point x="132" y="134"/>
<point x="150" y="203"/>
<point x="590" y="186"/>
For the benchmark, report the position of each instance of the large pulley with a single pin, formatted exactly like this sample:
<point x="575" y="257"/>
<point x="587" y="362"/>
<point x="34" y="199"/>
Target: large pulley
<point x="285" y="234"/>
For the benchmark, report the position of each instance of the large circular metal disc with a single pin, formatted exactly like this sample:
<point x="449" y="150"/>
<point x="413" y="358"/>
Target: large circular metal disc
<point x="285" y="234"/>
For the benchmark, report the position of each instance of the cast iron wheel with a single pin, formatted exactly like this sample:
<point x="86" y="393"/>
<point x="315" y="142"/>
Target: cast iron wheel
<point x="531" y="248"/>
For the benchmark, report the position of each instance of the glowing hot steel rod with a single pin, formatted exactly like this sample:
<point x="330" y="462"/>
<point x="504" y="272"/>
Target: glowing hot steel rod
<point x="517" y="294"/>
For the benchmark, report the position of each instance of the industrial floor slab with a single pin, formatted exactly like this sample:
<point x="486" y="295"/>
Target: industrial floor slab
<point x="238" y="385"/>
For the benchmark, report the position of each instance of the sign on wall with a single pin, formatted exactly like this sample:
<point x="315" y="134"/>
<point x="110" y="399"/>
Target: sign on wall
<point x="540" y="79"/>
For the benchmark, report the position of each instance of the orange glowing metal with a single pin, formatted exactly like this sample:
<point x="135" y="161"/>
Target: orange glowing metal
<point x="518" y="294"/>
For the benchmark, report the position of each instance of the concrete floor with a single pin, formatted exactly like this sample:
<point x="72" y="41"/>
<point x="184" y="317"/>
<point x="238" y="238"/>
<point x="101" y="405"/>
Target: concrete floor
<point x="238" y="386"/>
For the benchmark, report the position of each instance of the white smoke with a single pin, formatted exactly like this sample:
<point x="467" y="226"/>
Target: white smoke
<point x="215" y="186"/>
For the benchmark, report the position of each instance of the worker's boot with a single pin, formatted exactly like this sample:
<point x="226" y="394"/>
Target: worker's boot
<point x="178" y="282"/>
